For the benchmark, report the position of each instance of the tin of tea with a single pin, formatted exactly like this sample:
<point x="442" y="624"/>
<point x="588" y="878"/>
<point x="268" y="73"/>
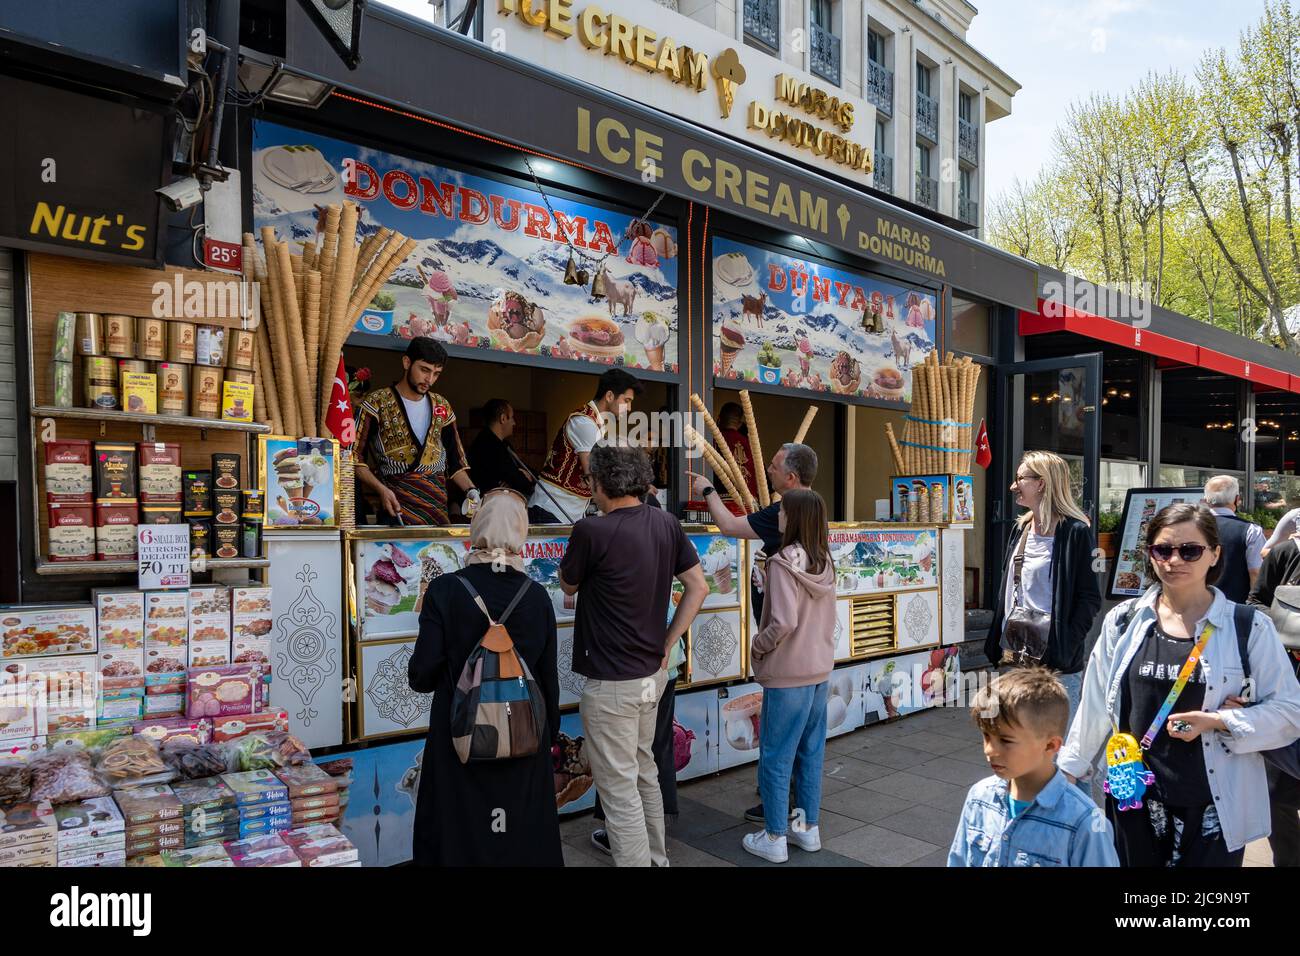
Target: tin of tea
<point x="239" y="375"/>
<point x="138" y="366"/>
<point x="225" y="540"/>
<point x="239" y="349"/>
<point x="205" y="392"/>
<point x="180" y="342"/>
<point x="173" y="389"/>
<point x="210" y="346"/>
<point x="100" y="375"/>
<point x="254" y="504"/>
<point x="151" y="339"/>
<point x="200" y="536"/>
<point x="90" y="333"/>
<point x="63" y="393"/>
<point x="119" y="336"/>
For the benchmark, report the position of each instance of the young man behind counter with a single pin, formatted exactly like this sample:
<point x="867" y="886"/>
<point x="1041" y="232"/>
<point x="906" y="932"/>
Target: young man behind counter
<point x="492" y="460"/>
<point x="407" y="442"/>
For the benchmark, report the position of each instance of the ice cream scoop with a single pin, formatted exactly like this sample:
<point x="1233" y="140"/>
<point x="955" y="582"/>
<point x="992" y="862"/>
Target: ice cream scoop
<point x="652" y="330"/>
<point x="441" y="283"/>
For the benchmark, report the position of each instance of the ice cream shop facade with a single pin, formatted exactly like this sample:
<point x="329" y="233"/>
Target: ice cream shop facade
<point x="599" y="187"/>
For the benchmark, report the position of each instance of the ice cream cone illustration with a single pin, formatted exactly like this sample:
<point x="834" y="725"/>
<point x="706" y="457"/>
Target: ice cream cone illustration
<point x="728" y="73"/>
<point x="731" y="339"/>
<point x="652" y="332"/>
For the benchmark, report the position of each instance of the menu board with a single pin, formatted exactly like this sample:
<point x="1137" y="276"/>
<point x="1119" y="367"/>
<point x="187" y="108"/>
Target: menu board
<point x="868" y="561"/>
<point x="1130" y="575"/>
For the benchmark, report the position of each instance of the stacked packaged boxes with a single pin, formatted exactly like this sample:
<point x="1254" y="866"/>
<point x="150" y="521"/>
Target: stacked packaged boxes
<point x="321" y="845"/>
<point x="265" y="850"/>
<point x="166" y="639"/>
<point x="313" y="794"/>
<point x="262" y="800"/>
<point x="209" y="626"/>
<point x="209" y="811"/>
<point x="154" y="820"/>
<point x="251" y="631"/>
<point x="91" y="832"/>
<point x="27" y="834"/>
<point x="120" y="617"/>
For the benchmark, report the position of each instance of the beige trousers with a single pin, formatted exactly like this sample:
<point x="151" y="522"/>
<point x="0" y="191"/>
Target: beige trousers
<point x="618" y="718"/>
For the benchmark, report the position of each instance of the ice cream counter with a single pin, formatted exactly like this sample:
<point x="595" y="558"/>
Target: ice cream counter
<point x="899" y="587"/>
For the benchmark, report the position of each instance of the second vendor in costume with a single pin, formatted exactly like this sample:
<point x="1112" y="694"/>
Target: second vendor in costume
<point x="407" y="445"/>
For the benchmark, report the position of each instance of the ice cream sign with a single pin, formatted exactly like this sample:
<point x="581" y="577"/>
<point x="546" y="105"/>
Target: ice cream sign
<point x="689" y="59"/>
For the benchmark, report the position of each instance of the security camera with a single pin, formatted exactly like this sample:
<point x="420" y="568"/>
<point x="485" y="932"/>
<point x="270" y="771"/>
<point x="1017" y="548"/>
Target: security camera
<point x="181" y="194"/>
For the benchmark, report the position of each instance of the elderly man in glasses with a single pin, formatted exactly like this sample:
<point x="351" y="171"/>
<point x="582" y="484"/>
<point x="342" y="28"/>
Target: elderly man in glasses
<point x="1242" y="541"/>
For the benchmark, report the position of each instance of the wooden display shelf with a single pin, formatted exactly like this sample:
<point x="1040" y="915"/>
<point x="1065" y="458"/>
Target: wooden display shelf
<point x="167" y="421"/>
<point x="127" y="567"/>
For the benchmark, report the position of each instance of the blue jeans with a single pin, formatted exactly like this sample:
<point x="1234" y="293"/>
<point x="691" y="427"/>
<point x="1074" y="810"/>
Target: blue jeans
<point x="791" y="739"/>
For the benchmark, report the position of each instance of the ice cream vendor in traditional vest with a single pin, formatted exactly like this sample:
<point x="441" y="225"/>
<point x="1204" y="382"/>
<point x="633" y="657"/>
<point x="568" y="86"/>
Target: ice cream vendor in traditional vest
<point x="563" y="492"/>
<point x="407" y="444"/>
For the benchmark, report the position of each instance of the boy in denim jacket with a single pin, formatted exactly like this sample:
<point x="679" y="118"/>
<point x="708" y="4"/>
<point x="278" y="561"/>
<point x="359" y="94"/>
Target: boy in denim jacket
<point x="1027" y="813"/>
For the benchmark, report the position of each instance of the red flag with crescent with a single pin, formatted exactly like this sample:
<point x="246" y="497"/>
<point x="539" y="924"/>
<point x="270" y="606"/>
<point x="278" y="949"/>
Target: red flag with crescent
<point x="339" y="417"/>
<point x="983" y="451"/>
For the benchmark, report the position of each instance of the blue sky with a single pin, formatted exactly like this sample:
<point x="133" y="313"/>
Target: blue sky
<point x="1061" y="50"/>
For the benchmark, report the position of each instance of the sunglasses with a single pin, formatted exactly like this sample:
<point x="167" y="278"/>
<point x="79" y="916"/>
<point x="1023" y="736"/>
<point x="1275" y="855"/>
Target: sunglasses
<point x="1190" y="553"/>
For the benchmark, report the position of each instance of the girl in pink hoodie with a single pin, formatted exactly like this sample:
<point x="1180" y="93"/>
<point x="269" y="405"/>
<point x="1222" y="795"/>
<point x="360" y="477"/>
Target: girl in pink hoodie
<point x="793" y="655"/>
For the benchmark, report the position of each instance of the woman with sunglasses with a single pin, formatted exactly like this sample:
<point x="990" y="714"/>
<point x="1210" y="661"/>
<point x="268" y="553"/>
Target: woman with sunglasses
<point x="1167" y="670"/>
<point x="491" y="812"/>
<point x="1049" y="595"/>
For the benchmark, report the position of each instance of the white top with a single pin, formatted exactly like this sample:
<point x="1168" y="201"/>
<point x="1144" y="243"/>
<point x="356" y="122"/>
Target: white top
<point x="1036" y="579"/>
<point x="1254" y="539"/>
<point x="583" y="434"/>
<point x="1285" y="528"/>
<point x="420" y="415"/>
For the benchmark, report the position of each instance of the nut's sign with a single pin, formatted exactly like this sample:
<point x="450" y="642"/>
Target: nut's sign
<point x="669" y="60"/>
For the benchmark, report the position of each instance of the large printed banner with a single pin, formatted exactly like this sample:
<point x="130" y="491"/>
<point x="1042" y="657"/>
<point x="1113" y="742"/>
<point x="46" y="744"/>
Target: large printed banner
<point x="800" y="323"/>
<point x="489" y="267"/>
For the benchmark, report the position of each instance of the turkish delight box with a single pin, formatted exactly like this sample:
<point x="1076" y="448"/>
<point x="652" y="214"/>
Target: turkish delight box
<point x="46" y="630"/>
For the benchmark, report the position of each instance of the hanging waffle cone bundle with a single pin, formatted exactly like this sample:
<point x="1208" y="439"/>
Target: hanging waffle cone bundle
<point x="720" y="469"/>
<point x="329" y="253"/>
<point x="336" y="324"/>
<point x="385" y="262"/>
<point x="266" y="395"/>
<point x="724" y="452"/>
<point x="293" y="327"/>
<point x="311" y="321"/>
<point x="283" y="362"/>
<point x="756" y="442"/>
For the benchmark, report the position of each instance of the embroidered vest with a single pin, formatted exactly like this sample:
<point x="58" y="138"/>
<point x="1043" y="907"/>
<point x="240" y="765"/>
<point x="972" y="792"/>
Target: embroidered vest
<point x="562" y="467"/>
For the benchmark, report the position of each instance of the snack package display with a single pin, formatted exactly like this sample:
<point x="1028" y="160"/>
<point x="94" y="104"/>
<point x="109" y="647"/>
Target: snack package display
<point x="163" y="606"/>
<point x="307" y="780"/>
<point x="93" y="827"/>
<point x="18" y="710"/>
<point x="160" y="472"/>
<point x="27" y="824"/>
<point x="196" y="491"/>
<point x="166" y="634"/>
<point x="251" y="611"/>
<point x="209" y="653"/>
<point x="68" y="477"/>
<point x="164" y="705"/>
<point x="115" y="662"/>
<point x="115" y="472"/>
<point x="43" y="630"/>
<point x="255" y="752"/>
<point x="210" y="795"/>
<point x="209" y="600"/>
<point x="256" y="787"/>
<point x="196" y="762"/>
<point x="119" y="613"/>
<point x="71" y="532"/>
<point x="320" y="845"/>
<point x="176" y="730"/>
<point x="108" y="858"/>
<point x="116" y="525"/>
<point x="232" y="728"/>
<point x="262" y="851"/>
<point x="323" y="801"/>
<point x="15" y="776"/>
<point x="265" y="824"/>
<point x="223" y="691"/>
<point x="205" y="856"/>
<point x="148" y="804"/>
<point x="65" y="775"/>
<point x="70" y="693"/>
<point x="252" y="650"/>
<point x="174" y="841"/>
<point x="133" y="762"/>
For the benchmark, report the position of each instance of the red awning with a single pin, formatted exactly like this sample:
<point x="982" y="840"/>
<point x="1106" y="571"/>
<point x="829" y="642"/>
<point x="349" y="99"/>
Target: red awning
<point x="1054" y="317"/>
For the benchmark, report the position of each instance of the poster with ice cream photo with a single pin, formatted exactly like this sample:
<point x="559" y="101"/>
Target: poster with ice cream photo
<point x="392" y="577"/>
<point x="805" y="324"/>
<point x="739" y="715"/>
<point x="496" y="264"/>
<point x="867" y="561"/>
<point x="720" y="560"/>
<point x="299" y="478"/>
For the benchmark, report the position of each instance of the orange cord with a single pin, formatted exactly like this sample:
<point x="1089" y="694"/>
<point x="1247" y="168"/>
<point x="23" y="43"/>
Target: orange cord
<point x="690" y="302"/>
<point x="705" y="315"/>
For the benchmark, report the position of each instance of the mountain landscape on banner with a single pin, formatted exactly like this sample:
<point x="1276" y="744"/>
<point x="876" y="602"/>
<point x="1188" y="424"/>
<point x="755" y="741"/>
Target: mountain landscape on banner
<point x="807" y="346"/>
<point x="475" y="264"/>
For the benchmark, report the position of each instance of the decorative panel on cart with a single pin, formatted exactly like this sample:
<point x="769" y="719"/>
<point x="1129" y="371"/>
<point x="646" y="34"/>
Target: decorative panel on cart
<point x="917" y="619"/>
<point x="846" y="700"/>
<point x="720" y="560"/>
<point x="391" y="577"/>
<point x="574" y="787"/>
<point x="808" y="324"/>
<point x="379" y="817"/>
<point x="843" y="629"/>
<point x="875" y="560"/>
<point x="489" y="266"/>
<point x="952" y="568"/>
<point x="695" y="734"/>
<point x="898" y="686"/>
<point x="386" y="705"/>
<point x="715" y="646"/>
<point x="739" y="712"/>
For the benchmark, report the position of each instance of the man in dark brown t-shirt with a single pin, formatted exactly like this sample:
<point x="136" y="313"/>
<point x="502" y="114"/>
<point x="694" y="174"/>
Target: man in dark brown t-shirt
<point x="621" y="565"/>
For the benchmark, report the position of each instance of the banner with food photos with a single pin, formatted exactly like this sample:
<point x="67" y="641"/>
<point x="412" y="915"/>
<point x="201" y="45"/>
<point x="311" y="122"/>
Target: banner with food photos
<point x="805" y="324"/>
<point x="491" y="266"/>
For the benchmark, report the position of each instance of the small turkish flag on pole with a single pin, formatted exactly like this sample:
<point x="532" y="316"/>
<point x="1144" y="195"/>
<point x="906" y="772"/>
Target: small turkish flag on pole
<point x="338" y="419"/>
<point x="983" y="451"/>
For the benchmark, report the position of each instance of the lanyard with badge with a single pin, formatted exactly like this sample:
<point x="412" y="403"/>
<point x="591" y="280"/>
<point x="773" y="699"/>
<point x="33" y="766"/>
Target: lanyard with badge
<point x="1127" y="777"/>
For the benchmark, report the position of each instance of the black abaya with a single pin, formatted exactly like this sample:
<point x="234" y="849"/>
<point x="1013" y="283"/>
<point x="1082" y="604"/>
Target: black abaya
<point x="493" y="813"/>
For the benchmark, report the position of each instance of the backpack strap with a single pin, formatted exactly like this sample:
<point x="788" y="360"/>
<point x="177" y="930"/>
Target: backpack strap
<point x="1243" y="618"/>
<point x="519" y="596"/>
<point x="1126" y="615"/>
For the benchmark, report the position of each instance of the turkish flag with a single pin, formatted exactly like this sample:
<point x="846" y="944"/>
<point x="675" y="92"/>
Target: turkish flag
<point x="339" y="417"/>
<point x="983" y="451"/>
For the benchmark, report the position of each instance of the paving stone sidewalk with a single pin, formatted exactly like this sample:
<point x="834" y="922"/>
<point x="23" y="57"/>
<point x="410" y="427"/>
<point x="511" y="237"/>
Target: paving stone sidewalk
<point x="892" y="796"/>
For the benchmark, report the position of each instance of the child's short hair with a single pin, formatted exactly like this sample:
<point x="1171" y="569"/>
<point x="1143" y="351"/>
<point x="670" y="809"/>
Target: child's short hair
<point x="1029" y="697"/>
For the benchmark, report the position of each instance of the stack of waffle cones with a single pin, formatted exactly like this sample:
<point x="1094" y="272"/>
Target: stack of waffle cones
<point x="311" y="302"/>
<point x="937" y="438"/>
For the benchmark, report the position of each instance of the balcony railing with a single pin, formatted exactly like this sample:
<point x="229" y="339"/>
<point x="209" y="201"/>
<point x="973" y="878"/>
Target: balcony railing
<point x="968" y="210"/>
<point x="927" y="191"/>
<point x="880" y="87"/>
<point x="927" y="117"/>
<point x="826" y="55"/>
<point x="968" y="141"/>
<point x="883" y="175"/>
<point x="763" y="23"/>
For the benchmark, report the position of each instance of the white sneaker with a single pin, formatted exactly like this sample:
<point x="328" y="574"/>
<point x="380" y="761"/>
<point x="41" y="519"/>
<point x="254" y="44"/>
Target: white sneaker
<point x="808" y="839"/>
<point x="764" y="845"/>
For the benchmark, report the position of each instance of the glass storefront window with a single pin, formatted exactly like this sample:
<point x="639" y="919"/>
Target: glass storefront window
<point x="1277" y="493"/>
<point x="970" y="326"/>
<point x="1116" y="478"/>
<point x="1200" y="421"/>
<point x="1192" y="476"/>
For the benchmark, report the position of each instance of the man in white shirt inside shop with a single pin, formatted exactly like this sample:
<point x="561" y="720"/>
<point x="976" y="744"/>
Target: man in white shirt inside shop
<point x="563" y="491"/>
<point x="1242" y="541"/>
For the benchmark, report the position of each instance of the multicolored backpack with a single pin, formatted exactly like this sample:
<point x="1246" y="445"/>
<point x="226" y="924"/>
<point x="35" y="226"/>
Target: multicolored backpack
<point x="496" y="706"/>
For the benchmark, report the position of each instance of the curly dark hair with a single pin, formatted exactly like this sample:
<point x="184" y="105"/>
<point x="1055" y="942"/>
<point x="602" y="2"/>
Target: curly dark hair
<point x="621" y="472"/>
